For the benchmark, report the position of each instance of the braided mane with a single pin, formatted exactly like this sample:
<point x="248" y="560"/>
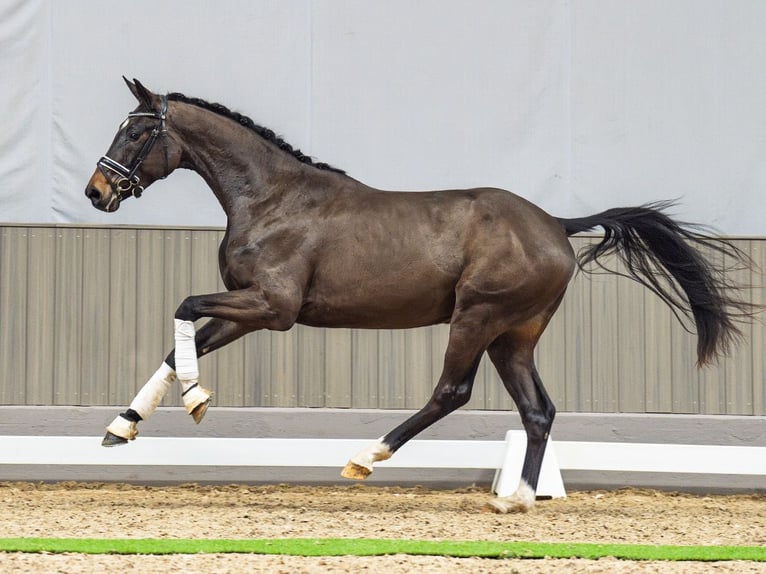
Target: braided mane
<point x="265" y="133"/>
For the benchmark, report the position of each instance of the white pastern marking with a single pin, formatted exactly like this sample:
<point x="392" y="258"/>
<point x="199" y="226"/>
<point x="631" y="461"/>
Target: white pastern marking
<point x="520" y="501"/>
<point x="187" y="367"/>
<point x="150" y="395"/>
<point x="373" y="453"/>
<point x="525" y="494"/>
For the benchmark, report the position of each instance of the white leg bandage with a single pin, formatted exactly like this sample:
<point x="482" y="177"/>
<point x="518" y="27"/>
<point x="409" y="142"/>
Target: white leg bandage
<point x="153" y="391"/>
<point x="196" y="399"/>
<point x="145" y="402"/>
<point x="187" y="367"/>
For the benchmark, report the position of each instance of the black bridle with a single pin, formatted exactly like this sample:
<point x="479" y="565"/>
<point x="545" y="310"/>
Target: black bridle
<point x="128" y="184"/>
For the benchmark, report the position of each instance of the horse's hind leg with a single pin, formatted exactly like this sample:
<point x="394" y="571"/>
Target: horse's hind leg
<point x="213" y="335"/>
<point x="453" y="390"/>
<point x="512" y="355"/>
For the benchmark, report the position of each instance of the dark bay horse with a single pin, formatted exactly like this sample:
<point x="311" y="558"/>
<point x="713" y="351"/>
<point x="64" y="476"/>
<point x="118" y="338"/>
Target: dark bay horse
<point x="305" y="243"/>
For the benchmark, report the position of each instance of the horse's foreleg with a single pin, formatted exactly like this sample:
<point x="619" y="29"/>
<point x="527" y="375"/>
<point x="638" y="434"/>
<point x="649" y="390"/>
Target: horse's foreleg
<point x="213" y="335"/>
<point x="196" y="398"/>
<point x="514" y="362"/>
<point x="233" y="313"/>
<point x="124" y="427"/>
<point x="452" y="391"/>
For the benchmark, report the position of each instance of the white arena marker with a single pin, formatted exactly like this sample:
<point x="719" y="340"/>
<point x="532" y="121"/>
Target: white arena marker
<point x="509" y="473"/>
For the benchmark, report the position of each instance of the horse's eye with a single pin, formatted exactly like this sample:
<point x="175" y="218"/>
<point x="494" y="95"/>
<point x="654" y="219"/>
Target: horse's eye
<point x="134" y="134"/>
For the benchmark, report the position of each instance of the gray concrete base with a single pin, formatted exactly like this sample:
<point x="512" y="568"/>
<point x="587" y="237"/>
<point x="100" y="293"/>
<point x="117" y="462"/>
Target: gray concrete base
<point x="360" y="423"/>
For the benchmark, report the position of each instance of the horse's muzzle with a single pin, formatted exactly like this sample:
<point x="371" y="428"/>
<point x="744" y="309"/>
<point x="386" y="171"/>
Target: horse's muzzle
<point x="108" y="202"/>
<point x="94" y="195"/>
<point x="101" y="194"/>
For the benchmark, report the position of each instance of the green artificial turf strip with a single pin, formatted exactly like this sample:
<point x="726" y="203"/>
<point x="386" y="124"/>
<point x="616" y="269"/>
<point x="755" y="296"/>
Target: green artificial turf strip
<point x="372" y="547"/>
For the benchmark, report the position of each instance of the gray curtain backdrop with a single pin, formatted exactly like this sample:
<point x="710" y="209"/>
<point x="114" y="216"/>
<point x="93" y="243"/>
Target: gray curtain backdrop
<point x="578" y="106"/>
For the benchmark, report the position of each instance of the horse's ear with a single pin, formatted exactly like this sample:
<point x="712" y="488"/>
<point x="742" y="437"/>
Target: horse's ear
<point x="141" y="93"/>
<point x="131" y="85"/>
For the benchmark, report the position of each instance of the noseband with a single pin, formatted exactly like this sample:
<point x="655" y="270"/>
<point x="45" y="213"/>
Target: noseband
<point x="128" y="184"/>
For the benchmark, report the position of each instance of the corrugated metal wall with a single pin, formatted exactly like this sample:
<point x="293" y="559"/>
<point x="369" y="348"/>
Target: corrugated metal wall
<point x="86" y="316"/>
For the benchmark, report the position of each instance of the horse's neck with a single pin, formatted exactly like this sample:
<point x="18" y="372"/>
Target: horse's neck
<point x="236" y="163"/>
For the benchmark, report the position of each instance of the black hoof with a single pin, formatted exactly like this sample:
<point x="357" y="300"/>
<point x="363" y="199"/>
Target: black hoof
<point x="111" y="439"/>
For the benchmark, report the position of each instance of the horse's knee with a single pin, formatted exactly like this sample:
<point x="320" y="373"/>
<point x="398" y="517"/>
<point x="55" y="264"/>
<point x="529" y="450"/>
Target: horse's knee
<point x="186" y="310"/>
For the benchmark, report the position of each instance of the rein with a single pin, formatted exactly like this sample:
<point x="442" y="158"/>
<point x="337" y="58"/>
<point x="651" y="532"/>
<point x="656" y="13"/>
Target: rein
<point x="128" y="184"/>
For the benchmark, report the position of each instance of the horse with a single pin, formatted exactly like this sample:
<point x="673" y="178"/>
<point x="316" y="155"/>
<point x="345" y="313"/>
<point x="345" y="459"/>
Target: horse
<point x="306" y="243"/>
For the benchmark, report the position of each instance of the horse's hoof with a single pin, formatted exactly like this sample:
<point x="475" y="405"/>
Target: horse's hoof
<point x="506" y="505"/>
<point x="355" y="471"/>
<point x="120" y="431"/>
<point x="196" y="402"/>
<point x="111" y="439"/>
<point x="199" y="411"/>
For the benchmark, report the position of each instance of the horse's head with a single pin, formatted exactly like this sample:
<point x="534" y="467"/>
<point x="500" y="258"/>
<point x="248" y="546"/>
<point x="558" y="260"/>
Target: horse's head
<point x="142" y="152"/>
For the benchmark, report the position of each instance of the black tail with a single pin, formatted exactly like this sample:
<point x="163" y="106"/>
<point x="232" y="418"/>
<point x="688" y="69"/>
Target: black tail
<point x="664" y="255"/>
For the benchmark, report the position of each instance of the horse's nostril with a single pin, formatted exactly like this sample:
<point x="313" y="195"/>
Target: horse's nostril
<point x="93" y="194"/>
